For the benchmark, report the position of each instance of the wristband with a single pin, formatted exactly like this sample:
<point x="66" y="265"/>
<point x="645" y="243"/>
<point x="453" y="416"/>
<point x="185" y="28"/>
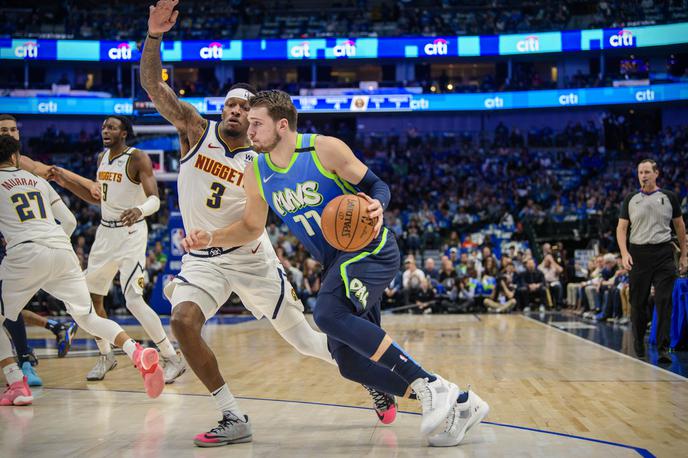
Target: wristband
<point x="150" y="206"/>
<point x="153" y="38"/>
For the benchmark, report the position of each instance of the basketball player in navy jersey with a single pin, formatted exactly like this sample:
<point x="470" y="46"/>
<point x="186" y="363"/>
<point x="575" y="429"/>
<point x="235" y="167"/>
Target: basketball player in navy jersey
<point x="297" y="176"/>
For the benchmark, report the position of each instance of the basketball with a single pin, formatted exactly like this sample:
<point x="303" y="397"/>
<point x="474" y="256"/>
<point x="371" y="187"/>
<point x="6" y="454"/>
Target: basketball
<point x="346" y="224"/>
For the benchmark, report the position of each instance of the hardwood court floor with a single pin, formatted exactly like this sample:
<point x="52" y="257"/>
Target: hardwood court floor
<point x="537" y="380"/>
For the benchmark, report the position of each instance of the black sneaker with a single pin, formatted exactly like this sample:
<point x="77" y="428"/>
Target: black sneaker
<point x="63" y="338"/>
<point x="639" y="348"/>
<point x="664" y="357"/>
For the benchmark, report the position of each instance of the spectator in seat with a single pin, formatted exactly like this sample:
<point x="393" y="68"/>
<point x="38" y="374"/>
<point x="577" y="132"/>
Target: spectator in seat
<point x="552" y="272"/>
<point x="411" y="279"/>
<point x="531" y="286"/>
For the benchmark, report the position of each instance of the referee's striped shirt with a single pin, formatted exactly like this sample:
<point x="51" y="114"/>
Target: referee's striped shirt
<point x="650" y="215"/>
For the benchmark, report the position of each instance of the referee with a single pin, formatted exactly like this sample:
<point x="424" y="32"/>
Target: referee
<point x="650" y="256"/>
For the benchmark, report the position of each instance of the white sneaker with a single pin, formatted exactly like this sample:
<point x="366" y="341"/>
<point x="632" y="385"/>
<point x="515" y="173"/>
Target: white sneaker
<point x="104" y="364"/>
<point x="437" y="399"/>
<point x="462" y="417"/>
<point x="173" y="368"/>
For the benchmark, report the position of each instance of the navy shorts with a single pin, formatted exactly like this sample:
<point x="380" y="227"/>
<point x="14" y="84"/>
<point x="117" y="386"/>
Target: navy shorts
<point x="364" y="275"/>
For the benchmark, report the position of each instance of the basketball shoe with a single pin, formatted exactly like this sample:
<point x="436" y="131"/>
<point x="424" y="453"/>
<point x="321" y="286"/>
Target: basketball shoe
<point x="174" y="367"/>
<point x="104" y="364"/>
<point x="229" y="430"/>
<point x="436" y="398"/>
<point x="385" y="405"/>
<point x="146" y="361"/>
<point x="30" y="373"/>
<point x="17" y="394"/>
<point x="64" y="336"/>
<point x="461" y="418"/>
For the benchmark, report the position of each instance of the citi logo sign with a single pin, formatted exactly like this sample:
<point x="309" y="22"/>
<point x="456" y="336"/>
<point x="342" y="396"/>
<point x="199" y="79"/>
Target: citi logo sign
<point x="436" y="48"/>
<point x="47" y="107"/>
<point x="568" y="99"/>
<point x="622" y="39"/>
<point x="346" y="49"/>
<point x="212" y="51"/>
<point x="28" y="50"/>
<point x="300" y="51"/>
<point x="494" y="102"/>
<point x="528" y="44"/>
<point x="121" y="52"/>
<point x="647" y="95"/>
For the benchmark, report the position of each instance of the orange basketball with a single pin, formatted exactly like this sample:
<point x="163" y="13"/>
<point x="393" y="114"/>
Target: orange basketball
<point x="346" y="224"/>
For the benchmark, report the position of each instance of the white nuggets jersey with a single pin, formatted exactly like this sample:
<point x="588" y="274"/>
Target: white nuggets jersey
<point x="25" y="210"/>
<point x="119" y="191"/>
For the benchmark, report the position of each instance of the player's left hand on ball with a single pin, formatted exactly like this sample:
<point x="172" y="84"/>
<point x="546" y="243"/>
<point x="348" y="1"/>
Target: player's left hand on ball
<point x="375" y="211"/>
<point x="196" y="239"/>
<point x="131" y="216"/>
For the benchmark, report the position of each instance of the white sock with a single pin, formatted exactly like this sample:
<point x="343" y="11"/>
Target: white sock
<point x="103" y="346"/>
<point x="13" y="374"/>
<point x="129" y="348"/>
<point x="225" y="401"/>
<point x="166" y="348"/>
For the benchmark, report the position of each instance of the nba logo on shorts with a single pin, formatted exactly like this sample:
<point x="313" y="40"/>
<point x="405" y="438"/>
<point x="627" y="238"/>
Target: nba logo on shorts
<point x="176" y="237"/>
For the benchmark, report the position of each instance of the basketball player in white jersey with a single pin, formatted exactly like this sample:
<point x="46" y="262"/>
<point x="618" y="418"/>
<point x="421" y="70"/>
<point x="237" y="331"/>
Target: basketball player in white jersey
<point x="128" y="194"/>
<point x="211" y="195"/>
<point x="40" y="256"/>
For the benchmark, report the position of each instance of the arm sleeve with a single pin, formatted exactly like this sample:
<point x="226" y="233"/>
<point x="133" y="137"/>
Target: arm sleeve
<point x="372" y="185"/>
<point x="64" y="216"/>
<point x="623" y="214"/>
<point x="675" y="204"/>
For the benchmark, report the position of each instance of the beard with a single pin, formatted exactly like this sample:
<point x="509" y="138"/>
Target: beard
<point x="272" y="143"/>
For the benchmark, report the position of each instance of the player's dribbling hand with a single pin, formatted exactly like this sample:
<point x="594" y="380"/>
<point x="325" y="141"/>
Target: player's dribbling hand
<point x="162" y="16"/>
<point x="374" y="211"/>
<point x="196" y="239"/>
<point x="129" y="217"/>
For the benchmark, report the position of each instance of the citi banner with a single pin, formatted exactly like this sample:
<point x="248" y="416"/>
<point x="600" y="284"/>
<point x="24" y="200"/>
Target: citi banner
<point x="350" y="48"/>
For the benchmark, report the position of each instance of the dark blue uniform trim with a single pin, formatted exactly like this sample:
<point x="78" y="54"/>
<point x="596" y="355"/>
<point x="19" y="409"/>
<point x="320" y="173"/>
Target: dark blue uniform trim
<point x="281" y="297"/>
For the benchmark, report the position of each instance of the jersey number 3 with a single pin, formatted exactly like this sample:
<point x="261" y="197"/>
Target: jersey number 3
<point x="215" y="199"/>
<point x="23" y="205"/>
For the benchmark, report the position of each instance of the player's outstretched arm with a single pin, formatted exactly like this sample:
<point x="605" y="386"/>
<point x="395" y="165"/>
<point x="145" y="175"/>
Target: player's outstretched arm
<point x="142" y="167"/>
<point x="337" y="157"/>
<point x="246" y="230"/>
<point x="35" y="167"/>
<point x="182" y="115"/>
<point x="81" y="187"/>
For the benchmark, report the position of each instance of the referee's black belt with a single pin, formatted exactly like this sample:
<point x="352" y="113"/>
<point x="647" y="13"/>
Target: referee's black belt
<point x="651" y="246"/>
<point x="112" y="224"/>
<point x="212" y="252"/>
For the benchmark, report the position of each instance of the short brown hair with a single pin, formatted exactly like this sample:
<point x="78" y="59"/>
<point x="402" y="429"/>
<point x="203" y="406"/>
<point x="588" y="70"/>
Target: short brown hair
<point x="651" y="162"/>
<point x="6" y="117"/>
<point x="279" y="106"/>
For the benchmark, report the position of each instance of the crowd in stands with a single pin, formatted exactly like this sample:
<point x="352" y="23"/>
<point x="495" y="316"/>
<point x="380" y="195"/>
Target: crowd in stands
<point x="447" y="190"/>
<point x="243" y="19"/>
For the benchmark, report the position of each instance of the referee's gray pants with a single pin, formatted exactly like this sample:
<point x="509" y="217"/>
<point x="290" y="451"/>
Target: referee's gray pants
<point x="653" y="265"/>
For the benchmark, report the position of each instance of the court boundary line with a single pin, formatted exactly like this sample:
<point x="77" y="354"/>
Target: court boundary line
<point x="616" y="352"/>
<point x="641" y="451"/>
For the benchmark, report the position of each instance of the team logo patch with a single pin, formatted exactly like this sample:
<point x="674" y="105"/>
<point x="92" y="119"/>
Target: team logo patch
<point x="293" y="295"/>
<point x="216" y="251"/>
<point x="140" y="282"/>
<point x="360" y="291"/>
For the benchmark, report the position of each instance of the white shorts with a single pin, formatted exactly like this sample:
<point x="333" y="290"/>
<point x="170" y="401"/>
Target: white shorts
<point x="118" y="249"/>
<point x="261" y="285"/>
<point x="29" y="267"/>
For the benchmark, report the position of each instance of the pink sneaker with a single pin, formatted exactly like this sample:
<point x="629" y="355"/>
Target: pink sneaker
<point x="385" y="405"/>
<point x="146" y="361"/>
<point x="17" y="394"/>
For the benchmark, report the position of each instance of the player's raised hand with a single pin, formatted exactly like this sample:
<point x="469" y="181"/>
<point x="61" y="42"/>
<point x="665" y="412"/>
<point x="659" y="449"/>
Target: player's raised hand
<point x="162" y="16"/>
<point x="375" y="211"/>
<point x="196" y="239"/>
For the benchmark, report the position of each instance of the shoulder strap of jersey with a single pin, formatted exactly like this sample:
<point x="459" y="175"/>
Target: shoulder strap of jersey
<point x="129" y="153"/>
<point x="305" y="143"/>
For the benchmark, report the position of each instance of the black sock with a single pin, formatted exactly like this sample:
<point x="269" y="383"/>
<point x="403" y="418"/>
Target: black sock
<point x="17" y="331"/>
<point x="395" y="359"/>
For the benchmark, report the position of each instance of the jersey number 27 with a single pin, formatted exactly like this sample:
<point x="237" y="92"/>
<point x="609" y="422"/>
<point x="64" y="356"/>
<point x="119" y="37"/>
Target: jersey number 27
<point x="24" y="208"/>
